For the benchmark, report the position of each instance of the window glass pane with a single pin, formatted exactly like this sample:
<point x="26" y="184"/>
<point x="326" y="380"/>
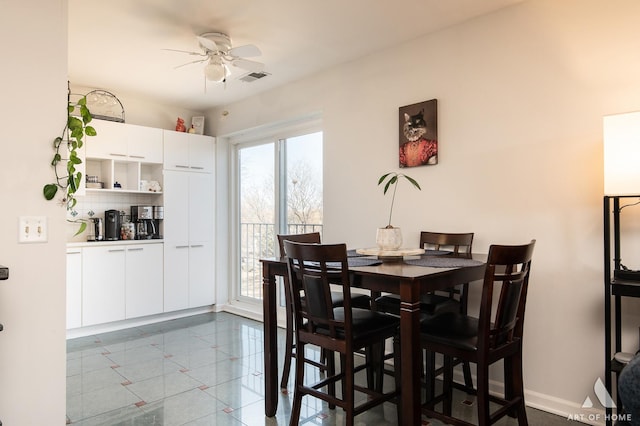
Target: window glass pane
<point x="257" y="215"/>
<point x="304" y="184"/>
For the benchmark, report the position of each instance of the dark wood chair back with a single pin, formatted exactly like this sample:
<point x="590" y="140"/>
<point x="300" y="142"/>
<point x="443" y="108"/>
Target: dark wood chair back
<point x="311" y="237"/>
<point x="458" y="243"/>
<point x="507" y="267"/>
<point x="312" y="270"/>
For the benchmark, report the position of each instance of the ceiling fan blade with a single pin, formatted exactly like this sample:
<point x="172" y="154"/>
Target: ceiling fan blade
<point x="192" y="62"/>
<point x="187" y="52"/>
<point x="208" y="44"/>
<point x="247" y="64"/>
<point x="246" y="51"/>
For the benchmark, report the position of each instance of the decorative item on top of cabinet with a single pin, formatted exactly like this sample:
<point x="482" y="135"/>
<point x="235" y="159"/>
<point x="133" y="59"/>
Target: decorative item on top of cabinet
<point x="105" y="106"/>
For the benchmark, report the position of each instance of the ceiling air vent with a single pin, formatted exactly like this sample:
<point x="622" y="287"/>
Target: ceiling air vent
<point x="253" y="76"/>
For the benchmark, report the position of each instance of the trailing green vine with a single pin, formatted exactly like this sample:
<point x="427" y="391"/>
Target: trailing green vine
<point x="66" y="149"/>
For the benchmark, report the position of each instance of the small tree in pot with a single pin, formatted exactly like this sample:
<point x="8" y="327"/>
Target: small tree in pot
<point x="390" y="237"/>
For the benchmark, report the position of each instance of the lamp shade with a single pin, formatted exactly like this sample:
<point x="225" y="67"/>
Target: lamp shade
<point x="622" y="154"/>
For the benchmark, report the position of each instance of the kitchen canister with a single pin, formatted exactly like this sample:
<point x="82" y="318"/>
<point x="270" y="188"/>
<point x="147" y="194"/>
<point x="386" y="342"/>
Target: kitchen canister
<point x="128" y="231"/>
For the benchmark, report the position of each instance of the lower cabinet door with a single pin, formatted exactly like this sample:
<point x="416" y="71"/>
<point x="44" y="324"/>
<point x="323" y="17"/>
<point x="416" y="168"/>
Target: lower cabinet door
<point x="144" y="280"/>
<point x="201" y="281"/>
<point x="103" y="284"/>
<point x="176" y="276"/>
<point x="74" y="288"/>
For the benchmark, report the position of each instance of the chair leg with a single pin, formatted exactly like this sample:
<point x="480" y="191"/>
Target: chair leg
<point x="289" y="345"/>
<point x="430" y="375"/>
<point x="468" y="380"/>
<point x="397" y="373"/>
<point x="330" y="362"/>
<point x="287" y="358"/>
<point x="514" y="387"/>
<point x="374" y="356"/>
<point x="299" y="381"/>
<point x="482" y="400"/>
<point x="447" y="386"/>
<point x="348" y="392"/>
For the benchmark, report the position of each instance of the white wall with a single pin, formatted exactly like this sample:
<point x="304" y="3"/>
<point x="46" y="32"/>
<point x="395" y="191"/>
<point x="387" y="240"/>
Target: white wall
<point x="521" y="94"/>
<point x="33" y="44"/>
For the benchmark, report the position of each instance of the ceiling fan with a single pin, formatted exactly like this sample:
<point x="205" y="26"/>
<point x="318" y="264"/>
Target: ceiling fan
<point x="219" y="54"/>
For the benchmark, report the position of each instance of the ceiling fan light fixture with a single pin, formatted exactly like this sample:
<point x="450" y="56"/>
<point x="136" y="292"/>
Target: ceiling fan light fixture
<point x="215" y="70"/>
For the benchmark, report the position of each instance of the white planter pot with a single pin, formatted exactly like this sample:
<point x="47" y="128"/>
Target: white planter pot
<point x="389" y="238"/>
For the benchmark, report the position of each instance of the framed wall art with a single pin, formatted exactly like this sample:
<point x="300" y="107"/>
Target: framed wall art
<point x="418" y="126"/>
<point x="197" y="123"/>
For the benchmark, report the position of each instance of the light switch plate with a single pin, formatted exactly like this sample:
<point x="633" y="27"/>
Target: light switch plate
<point x="32" y="229"/>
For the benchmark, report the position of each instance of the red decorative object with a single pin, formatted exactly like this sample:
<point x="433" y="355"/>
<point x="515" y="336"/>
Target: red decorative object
<point x="180" y="127"/>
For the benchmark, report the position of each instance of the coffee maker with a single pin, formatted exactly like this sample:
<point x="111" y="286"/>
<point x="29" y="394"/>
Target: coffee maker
<point x="111" y="225"/>
<point x="147" y="220"/>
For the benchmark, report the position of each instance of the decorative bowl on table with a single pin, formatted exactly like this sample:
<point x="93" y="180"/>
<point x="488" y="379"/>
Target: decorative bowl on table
<point x="390" y="255"/>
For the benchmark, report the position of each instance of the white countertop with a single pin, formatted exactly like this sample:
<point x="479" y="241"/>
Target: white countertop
<point x="112" y="243"/>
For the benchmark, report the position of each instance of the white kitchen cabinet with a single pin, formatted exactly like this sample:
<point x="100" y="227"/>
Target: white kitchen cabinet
<point x="188" y="236"/>
<point x="143" y="281"/>
<point x="128" y="174"/>
<point x="103" y="284"/>
<point x="125" y="142"/>
<point x="144" y="144"/>
<point x="176" y="278"/>
<point x="74" y="288"/>
<point x="188" y="151"/>
<point x="188" y="275"/>
<point x="110" y="140"/>
<point x="201" y="281"/>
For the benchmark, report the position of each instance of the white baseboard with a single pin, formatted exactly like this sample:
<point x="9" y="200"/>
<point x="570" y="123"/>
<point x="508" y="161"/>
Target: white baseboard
<point x="561" y="407"/>
<point x="136" y="322"/>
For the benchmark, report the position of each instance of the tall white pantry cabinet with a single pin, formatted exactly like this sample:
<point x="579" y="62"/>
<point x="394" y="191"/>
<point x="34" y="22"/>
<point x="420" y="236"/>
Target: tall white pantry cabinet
<point x="189" y="221"/>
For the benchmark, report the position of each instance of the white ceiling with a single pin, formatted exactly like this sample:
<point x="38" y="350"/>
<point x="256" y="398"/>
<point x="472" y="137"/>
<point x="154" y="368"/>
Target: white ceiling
<point x="117" y="45"/>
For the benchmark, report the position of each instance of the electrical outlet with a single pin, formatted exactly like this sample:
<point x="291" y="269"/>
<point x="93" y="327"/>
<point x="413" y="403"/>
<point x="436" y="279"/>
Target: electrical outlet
<point x="32" y="229"/>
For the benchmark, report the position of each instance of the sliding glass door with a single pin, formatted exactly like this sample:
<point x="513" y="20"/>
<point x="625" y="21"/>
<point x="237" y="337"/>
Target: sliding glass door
<point x="279" y="192"/>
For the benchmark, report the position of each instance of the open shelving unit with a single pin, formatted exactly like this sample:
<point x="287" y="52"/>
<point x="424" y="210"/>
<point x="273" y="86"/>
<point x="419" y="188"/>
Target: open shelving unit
<point x="615" y="290"/>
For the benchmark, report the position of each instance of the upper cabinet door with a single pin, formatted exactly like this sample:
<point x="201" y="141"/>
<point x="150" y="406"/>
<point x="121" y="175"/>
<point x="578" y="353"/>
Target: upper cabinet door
<point x="119" y="141"/>
<point x="201" y="153"/>
<point x="176" y="150"/>
<point x="109" y="142"/>
<point x="187" y="151"/>
<point x="144" y="144"/>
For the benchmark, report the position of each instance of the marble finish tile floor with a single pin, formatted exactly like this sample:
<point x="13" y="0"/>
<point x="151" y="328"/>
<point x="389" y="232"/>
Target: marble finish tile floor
<point x="202" y="370"/>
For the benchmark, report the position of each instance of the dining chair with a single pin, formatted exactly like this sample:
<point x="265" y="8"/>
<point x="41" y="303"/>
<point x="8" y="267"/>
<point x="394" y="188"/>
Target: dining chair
<point x="452" y="300"/>
<point x="313" y="269"/>
<point x="358" y="300"/>
<point x="486" y="339"/>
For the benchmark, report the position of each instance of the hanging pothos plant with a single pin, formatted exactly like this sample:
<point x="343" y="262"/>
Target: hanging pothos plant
<point x="66" y="148"/>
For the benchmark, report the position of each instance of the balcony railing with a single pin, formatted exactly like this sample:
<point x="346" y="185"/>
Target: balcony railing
<point x="258" y="240"/>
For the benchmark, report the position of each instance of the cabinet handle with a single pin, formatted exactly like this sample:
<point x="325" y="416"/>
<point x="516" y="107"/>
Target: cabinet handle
<point x="197" y="245"/>
<point x="74" y="252"/>
<point x="137" y="156"/>
<point x="118" y="155"/>
<point x="180" y="247"/>
<point x="197" y="168"/>
<point x="136" y="249"/>
<point x="180" y="166"/>
<point x="115" y="250"/>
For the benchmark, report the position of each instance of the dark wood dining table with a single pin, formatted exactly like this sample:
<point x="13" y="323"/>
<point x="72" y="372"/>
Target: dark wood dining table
<point x="407" y="278"/>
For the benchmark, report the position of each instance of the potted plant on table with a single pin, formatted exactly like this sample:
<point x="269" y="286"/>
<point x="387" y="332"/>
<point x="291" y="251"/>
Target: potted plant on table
<point x="390" y="237"/>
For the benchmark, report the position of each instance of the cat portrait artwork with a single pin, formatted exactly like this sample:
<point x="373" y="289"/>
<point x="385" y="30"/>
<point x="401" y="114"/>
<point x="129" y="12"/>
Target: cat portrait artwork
<point x="419" y="134"/>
